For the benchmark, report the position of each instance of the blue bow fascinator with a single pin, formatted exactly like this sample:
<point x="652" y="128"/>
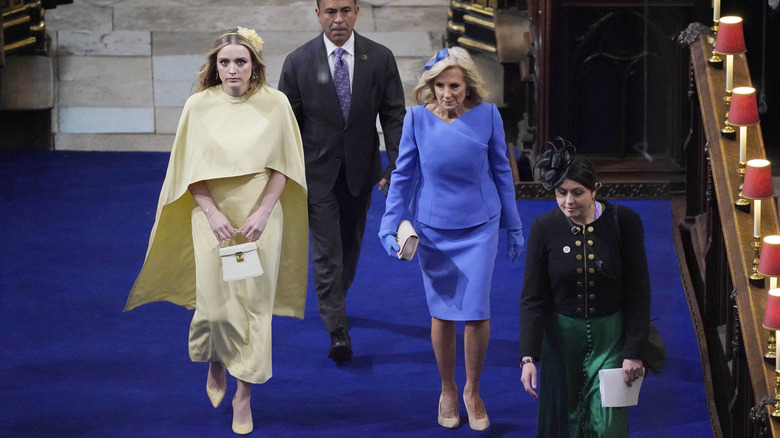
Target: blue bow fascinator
<point x="441" y="54"/>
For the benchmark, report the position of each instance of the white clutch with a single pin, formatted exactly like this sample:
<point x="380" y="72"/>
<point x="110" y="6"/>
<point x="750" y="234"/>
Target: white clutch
<point x="240" y="262"/>
<point x="407" y="239"/>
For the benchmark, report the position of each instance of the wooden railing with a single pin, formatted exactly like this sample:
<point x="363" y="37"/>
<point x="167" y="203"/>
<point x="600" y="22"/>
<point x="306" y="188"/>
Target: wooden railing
<point x="716" y="258"/>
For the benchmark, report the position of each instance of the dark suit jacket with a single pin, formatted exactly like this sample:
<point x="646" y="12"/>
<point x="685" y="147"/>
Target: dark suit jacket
<point x="327" y="138"/>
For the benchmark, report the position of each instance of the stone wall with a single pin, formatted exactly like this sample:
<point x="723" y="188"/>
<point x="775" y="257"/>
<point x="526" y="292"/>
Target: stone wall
<point x="124" y="68"/>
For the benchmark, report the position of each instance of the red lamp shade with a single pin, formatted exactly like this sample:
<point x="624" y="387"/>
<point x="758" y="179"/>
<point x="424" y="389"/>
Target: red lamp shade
<point x="730" y="40"/>
<point x="743" y="110"/>
<point x="758" y="180"/>
<point x="772" y="313"/>
<point x="769" y="261"/>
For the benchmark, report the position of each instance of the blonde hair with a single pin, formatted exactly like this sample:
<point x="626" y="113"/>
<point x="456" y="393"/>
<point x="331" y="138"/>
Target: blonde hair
<point x="476" y="90"/>
<point x="209" y="77"/>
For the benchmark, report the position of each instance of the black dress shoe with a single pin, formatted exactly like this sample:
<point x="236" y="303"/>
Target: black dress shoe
<point x="340" y="345"/>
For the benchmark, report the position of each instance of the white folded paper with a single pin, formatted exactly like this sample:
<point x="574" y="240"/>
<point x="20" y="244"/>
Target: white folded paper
<point x="614" y="391"/>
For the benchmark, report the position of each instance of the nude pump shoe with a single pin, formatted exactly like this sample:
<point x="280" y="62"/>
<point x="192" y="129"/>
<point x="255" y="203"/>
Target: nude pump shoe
<point x="449" y="423"/>
<point x="215" y="395"/>
<point x="474" y="423"/>
<point x="243" y="429"/>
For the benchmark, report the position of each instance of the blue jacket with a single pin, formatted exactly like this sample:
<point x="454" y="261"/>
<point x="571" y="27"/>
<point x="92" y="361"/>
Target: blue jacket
<point x="453" y="175"/>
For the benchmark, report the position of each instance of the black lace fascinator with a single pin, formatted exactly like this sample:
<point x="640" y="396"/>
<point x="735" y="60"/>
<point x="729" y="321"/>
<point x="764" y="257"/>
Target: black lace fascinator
<point x="553" y="166"/>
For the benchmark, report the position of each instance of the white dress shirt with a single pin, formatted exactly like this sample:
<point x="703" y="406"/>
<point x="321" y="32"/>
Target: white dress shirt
<point x="348" y="57"/>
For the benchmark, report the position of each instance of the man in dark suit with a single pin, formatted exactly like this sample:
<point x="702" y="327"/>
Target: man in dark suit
<point x="337" y="84"/>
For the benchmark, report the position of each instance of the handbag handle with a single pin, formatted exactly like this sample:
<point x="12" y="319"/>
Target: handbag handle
<point x="223" y="242"/>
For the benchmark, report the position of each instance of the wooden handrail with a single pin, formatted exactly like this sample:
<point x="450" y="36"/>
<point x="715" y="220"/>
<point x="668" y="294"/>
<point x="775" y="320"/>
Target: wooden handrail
<point x="737" y="226"/>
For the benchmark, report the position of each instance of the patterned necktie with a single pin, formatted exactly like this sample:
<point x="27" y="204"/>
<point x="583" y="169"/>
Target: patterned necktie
<point x="341" y="81"/>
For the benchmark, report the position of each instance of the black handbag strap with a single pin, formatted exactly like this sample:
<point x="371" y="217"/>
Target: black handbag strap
<point x="617" y="221"/>
<point x="653" y="352"/>
<point x="619" y="242"/>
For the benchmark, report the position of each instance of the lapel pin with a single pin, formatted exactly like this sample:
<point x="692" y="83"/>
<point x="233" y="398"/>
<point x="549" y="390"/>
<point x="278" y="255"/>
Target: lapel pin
<point x="363" y="57"/>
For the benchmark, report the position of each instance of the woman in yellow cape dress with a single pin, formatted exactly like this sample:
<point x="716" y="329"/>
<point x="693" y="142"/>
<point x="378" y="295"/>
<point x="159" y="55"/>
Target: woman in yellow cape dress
<point x="235" y="175"/>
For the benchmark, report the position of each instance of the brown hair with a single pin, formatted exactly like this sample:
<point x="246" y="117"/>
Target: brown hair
<point x="209" y="76"/>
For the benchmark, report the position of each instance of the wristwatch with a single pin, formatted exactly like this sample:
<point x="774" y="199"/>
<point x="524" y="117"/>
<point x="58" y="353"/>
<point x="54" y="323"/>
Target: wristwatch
<point x="526" y="361"/>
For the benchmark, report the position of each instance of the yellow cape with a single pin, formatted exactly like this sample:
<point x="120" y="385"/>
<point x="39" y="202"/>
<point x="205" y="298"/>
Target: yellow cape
<point x="221" y="136"/>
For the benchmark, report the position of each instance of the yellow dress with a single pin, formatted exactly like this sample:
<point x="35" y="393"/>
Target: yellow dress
<point x="232" y="144"/>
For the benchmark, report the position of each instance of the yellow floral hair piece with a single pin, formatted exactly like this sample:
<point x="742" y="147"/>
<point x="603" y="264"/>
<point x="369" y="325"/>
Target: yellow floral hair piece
<point x="251" y="35"/>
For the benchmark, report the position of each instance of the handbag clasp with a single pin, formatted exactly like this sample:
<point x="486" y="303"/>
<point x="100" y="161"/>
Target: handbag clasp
<point x="239" y="256"/>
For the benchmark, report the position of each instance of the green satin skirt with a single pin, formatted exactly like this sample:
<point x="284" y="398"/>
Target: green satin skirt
<point x="573" y="352"/>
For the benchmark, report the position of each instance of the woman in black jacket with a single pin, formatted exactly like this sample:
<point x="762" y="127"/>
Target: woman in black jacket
<point x="586" y="300"/>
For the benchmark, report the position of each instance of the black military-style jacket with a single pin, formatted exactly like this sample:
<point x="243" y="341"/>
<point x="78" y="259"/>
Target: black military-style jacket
<point x="586" y="271"/>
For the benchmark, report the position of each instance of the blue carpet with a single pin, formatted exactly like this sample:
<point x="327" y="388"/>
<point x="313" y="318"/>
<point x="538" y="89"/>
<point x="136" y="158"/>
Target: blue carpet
<point x="75" y="227"/>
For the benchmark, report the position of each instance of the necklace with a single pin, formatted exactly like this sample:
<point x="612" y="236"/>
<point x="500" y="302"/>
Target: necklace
<point x="444" y="115"/>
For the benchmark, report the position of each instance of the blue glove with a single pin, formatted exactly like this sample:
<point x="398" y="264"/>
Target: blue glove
<point x="514" y="243"/>
<point x="389" y="243"/>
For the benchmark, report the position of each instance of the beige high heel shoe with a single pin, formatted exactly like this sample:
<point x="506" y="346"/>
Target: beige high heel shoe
<point x="449" y="423"/>
<point x="215" y="395"/>
<point x="474" y="423"/>
<point x="243" y="429"/>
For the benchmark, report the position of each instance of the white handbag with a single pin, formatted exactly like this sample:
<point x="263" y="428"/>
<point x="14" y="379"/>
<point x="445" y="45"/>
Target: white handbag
<point x="240" y="262"/>
<point x="407" y="239"/>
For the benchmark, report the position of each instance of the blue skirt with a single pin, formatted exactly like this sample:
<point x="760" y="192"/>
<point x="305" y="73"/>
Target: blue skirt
<point x="457" y="270"/>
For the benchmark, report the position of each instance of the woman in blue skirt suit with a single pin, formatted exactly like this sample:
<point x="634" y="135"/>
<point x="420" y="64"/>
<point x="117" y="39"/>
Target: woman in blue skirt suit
<point x="452" y="171"/>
